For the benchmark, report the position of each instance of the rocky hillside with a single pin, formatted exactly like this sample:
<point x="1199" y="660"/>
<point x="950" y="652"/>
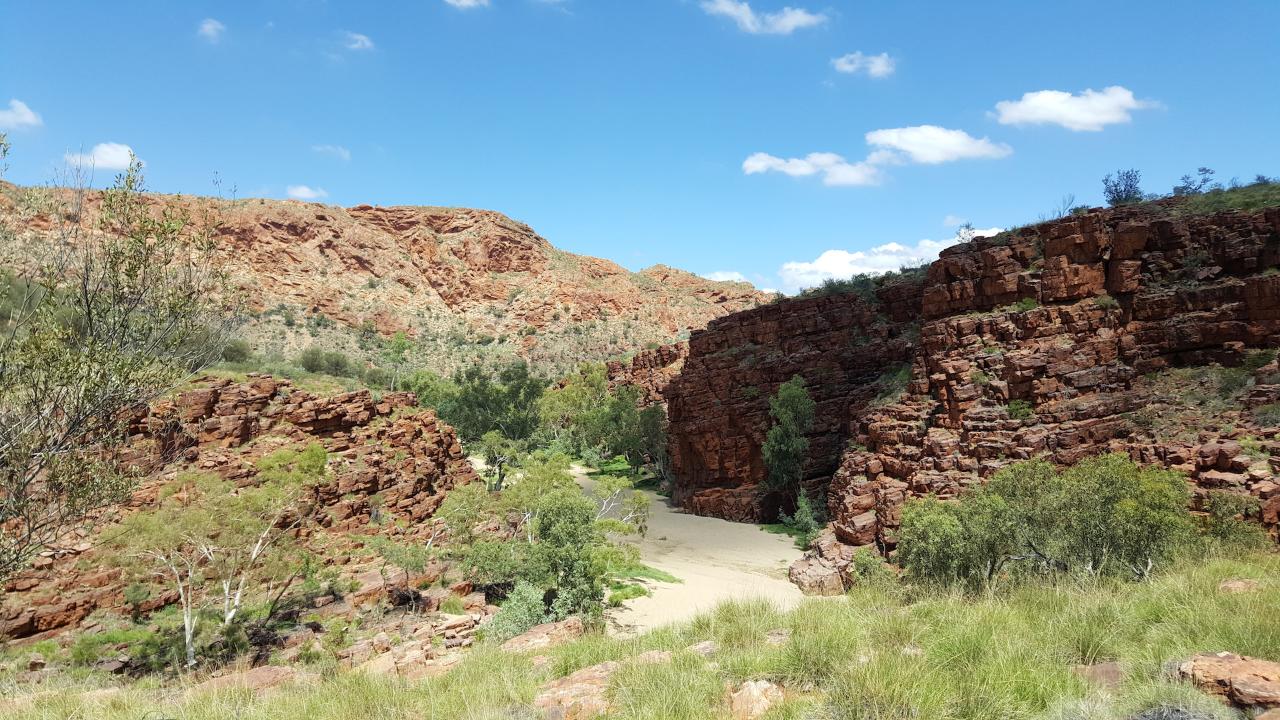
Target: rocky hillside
<point x="1144" y="330"/>
<point x="463" y="284"/>
<point x="385" y="456"/>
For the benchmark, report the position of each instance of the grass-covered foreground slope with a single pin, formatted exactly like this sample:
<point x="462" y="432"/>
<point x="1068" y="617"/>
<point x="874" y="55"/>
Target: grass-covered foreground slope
<point x="883" y="651"/>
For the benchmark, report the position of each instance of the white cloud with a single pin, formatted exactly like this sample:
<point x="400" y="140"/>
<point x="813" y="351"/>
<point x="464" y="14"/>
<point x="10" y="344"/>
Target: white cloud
<point x="876" y="66"/>
<point x="726" y="276"/>
<point x="103" y="156"/>
<point x="357" y="41"/>
<point x="335" y="150"/>
<point x="1089" y="111"/>
<point x="19" y="116"/>
<point x="211" y="30"/>
<point x="784" y="22"/>
<point x="877" y="260"/>
<point x="835" y="170"/>
<point x="930" y="144"/>
<point x="304" y="192"/>
<point x="953" y="221"/>
<point x="924" y="144"/>
<point x="466" y="4"/>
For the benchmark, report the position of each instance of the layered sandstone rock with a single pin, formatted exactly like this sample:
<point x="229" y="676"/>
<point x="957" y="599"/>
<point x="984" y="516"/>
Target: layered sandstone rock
<point x="386" y="457"/>
<point x="1060" y="340"/>
<point x="453" y="278"/>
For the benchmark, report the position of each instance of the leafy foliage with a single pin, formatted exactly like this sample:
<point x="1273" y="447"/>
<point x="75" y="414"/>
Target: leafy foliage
<point x="109" y="317"/>
<point x="786" y="446"/>
<point x="1104" y="516"/>
<point x="1123" y="188"/>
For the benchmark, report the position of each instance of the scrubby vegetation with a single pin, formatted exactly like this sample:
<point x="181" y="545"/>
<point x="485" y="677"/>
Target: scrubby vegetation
<point x="886" y="651"/>
<point x="1106" y="516"/>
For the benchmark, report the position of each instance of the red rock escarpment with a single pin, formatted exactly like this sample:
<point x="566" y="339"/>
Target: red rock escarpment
<point x="1073" y="321"/>
<point x="385" y="456"/>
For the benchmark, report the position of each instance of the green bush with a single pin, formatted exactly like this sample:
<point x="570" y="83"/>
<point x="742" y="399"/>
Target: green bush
<point x="329" y="362"/>
<point x="804" y="521"/>
<point x="1267" y="415"/>
<point x="236" y="351"/>
<point x="1104" y="516"/>
<point x="1020" y="409"/>
<point x="523" y="609"/>
<point x="786" y="446"/>
<point x="1226" y="522"/>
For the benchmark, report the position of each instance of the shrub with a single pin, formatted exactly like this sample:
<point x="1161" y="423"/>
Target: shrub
<point x="804" y="521"/>
<point x="236" y="351"/>
<point x="786" y="446"/>
<point x="1105" y="515"/>
<point x="1106" y="302"/>
<point x="1225" y="520"/>
<point x="1267" y="415"/>
<point x="1123" y="188"/>
<point x="523" y="609"/>
<point x="329" y="362"/>
<point x="1020" y="409"/>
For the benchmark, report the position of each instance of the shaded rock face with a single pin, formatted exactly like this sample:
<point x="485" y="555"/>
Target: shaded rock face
<point x="385" y="456"/>
<point x="1050" y="341"/>
<point x="718" y="404"/>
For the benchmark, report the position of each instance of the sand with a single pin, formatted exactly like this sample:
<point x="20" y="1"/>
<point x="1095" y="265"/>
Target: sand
<point x="716" y="560"/>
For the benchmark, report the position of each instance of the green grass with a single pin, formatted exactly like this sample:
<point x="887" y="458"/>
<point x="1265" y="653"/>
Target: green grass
<point x="881" y="653"/>
<point x="800" y="537"/>
<point x="1247" y="198"/>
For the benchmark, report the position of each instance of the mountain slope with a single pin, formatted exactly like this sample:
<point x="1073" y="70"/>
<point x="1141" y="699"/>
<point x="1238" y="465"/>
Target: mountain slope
<point x="463" y="284"/>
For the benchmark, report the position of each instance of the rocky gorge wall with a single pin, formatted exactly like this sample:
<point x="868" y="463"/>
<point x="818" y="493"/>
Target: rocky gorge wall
<point x="1092" y="333"/>
<point x="386" y="456"/>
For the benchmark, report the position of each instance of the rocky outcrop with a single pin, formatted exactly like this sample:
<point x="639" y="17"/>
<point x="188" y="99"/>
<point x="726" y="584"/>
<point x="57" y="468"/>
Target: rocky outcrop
<point x="1089" y="334"/>
<point x="650" y="370"/>
<point x="453" y="279"/>
<point x="386" y="458"/>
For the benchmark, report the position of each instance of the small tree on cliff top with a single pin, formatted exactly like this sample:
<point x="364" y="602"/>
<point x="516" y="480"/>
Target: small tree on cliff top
<point x="786" y="445"/>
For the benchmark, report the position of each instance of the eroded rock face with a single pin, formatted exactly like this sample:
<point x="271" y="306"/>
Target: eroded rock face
<point x="437" y="272"/>
<point x="1052" y="341"/>
<point x="385" y="456"/>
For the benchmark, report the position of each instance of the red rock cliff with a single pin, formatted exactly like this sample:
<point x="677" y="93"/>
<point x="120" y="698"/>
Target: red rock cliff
<point x="1074" y="322"/>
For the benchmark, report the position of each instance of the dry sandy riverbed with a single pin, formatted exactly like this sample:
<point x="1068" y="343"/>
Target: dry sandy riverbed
<point x="716" y="560"/>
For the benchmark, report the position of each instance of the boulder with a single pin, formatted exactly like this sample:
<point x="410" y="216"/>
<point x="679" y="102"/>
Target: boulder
<point x="753" y="699"/>
<point x="544" y="636"/>
<point x="1243" y="681"/>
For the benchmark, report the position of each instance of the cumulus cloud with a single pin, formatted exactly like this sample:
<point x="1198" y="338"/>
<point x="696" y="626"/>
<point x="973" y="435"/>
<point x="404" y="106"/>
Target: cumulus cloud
<point x="211" y="30"/>
<point x="834" y="169"/>
<point x="19" y="116"/>
<point x="784" y="22"/>
<point x="305" y="192"/>
<point x="876" y="66"/>
<point x="357" y="41"/>
<point x="103" y="156"/>
<point x="1089" y="111"/>
<point x="923" y="144"/>
<point x="953" y="221"/>
<point x="930" y="144"/>
<point x="726" y="276"/>
<point x="877" y="260"/>
<point x="335" y="150"/>
<point x="466" y="4"/>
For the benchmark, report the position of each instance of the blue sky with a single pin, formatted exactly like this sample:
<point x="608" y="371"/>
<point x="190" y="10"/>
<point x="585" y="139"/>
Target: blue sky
<point x="780" y="140"/>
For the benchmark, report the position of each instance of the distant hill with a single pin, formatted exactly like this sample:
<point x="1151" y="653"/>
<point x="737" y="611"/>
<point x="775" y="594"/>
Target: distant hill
<point x="463" y="284"/>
